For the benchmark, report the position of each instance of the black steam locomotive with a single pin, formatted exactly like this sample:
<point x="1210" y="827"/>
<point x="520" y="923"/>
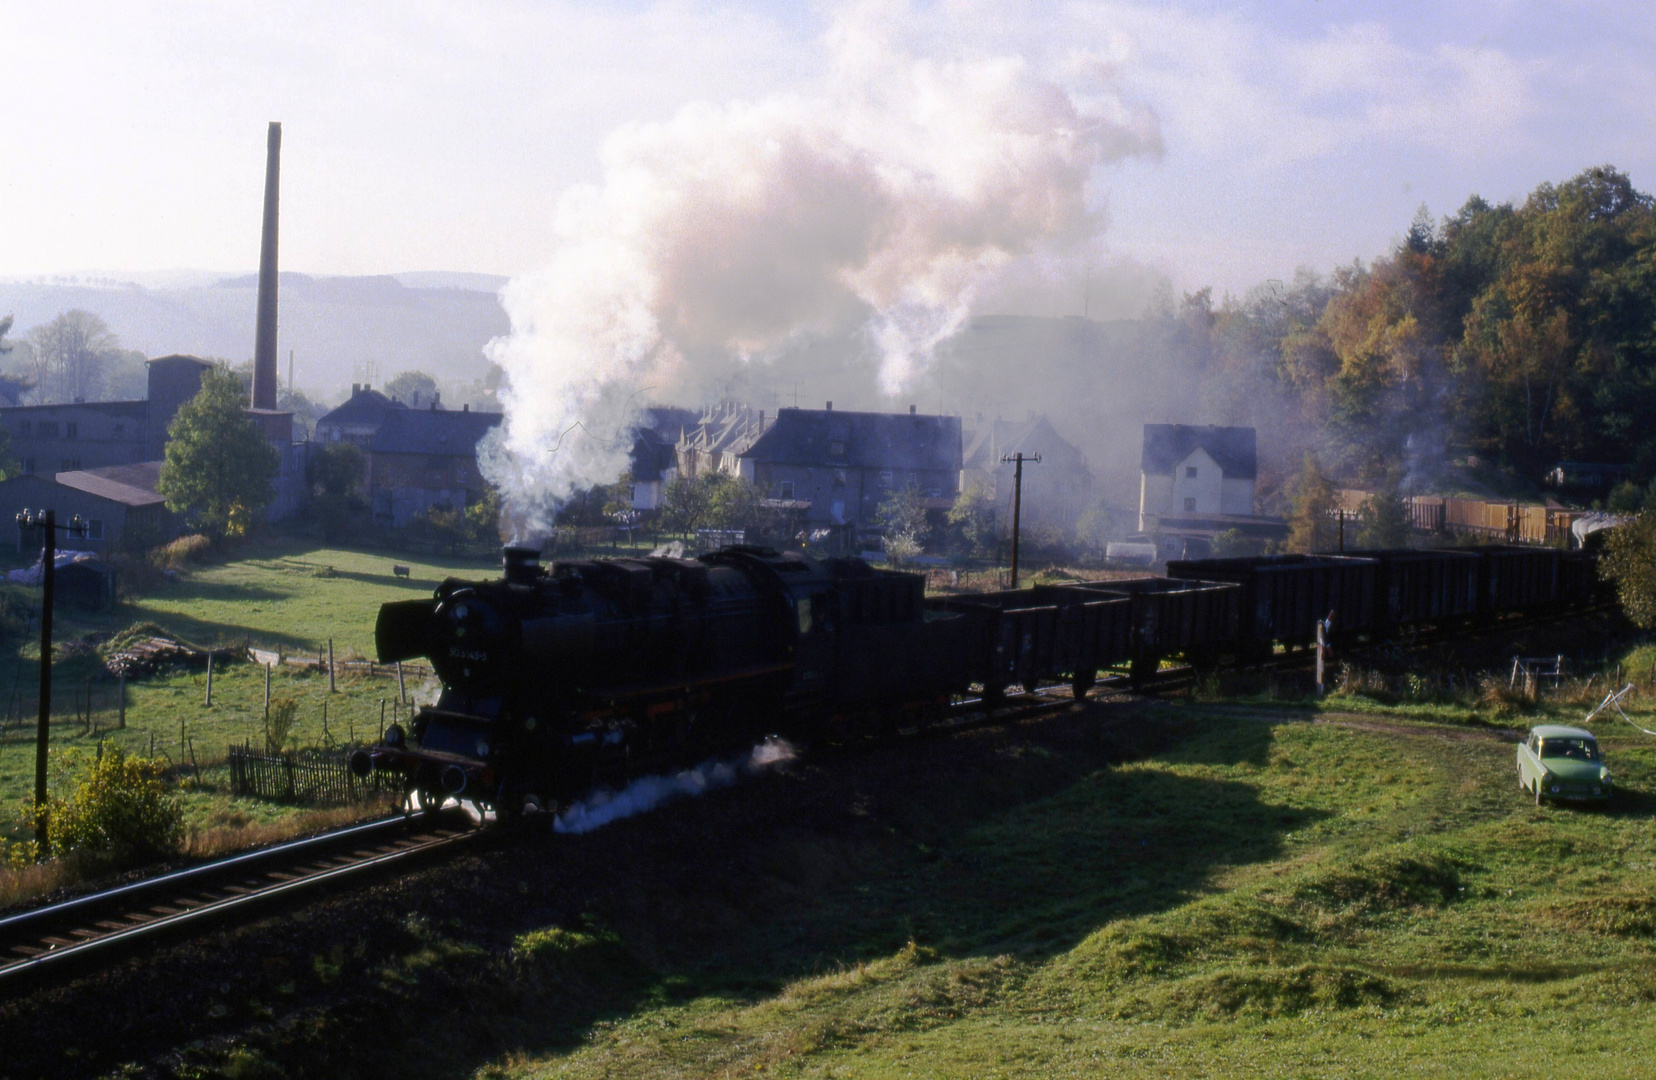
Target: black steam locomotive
<point x="559" y="679"/>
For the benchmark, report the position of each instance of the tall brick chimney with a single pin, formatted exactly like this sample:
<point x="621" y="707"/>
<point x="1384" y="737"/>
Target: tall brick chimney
<point x="264" y="340"/>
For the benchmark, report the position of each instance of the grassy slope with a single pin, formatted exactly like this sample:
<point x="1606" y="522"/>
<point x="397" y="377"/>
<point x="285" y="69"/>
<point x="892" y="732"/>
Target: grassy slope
<point x="1275" y="899"/>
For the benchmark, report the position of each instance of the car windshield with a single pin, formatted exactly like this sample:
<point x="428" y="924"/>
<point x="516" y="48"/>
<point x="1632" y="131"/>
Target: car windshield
<point x="1579" y="749"/>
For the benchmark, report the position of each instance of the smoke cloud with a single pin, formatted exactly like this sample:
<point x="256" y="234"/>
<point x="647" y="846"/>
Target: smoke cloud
<point x="880" y="202"/>
<point x="648" y="792"/>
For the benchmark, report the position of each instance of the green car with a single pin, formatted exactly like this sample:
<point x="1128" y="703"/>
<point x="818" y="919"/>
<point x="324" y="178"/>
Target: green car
<point x="1558" y="762"/>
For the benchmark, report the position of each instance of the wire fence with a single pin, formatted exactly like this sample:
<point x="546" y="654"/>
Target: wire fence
<point x="311" y="777"/>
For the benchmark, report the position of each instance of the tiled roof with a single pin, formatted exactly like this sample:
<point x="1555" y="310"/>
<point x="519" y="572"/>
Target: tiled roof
<point x="1232" y="448"/>
<point x="432" y="431"/>
<point x="864" y="440"/>
<point x="364" y="407"/>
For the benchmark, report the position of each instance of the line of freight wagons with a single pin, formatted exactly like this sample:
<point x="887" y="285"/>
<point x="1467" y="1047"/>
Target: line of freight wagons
<point x="1215" y="611"/>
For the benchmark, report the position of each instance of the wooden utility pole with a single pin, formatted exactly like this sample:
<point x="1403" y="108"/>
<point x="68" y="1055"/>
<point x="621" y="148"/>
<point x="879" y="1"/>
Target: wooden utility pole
<point x="46" y="521"/>
<point x="1018" y="460"/>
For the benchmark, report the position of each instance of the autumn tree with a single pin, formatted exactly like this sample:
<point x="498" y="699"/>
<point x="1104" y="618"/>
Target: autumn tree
<point x="1312" y="500"/>
<point x="1630" y="561"/>
<point x="683" y="505"/>
<point x="732" y="501"/>
<point x="219" y="469"/>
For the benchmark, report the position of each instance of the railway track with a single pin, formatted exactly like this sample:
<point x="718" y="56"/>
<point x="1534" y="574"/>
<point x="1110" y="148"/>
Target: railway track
<point x="61" y="937"/>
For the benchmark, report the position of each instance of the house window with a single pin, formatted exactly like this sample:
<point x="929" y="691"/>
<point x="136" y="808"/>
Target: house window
<point x="787" y="489"/>
<point x="70" y="430"/>
<point x="1190" y="472"/>
<point x="23" y="428"/>
<point x="837" y="449"/>
<point x="1190" y="506"/>
<point x="70" y="464"/>
<point x="885" y="478"/>
<point x="48" y="428"/>
<point x="28" y="466"/>
<point x="94" y="529"/>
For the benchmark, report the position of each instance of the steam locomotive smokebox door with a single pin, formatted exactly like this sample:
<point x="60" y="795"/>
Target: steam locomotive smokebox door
<point x="403" y="630"/>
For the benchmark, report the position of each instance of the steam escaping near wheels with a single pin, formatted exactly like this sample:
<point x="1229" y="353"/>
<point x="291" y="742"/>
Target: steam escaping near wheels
<point x="648" y="792"/>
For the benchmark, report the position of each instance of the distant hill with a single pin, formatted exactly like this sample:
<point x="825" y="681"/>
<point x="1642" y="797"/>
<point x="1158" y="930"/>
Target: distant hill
<point x="434" y="321"/>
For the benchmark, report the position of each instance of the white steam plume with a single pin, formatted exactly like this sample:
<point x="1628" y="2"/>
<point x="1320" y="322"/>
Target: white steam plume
<point x="648" y="792"/>
<point x="884" y="198"/>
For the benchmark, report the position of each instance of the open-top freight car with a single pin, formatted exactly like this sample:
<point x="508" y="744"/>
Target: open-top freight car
<point x="1284" y="596"/>
<point x="1428" y="586"/>
<point x="1042" y="634"/>
<point x="1173" y="617"/>
<point x="1517" y="579"/>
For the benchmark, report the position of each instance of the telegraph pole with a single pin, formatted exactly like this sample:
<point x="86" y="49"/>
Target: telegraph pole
<point x="1018" y="460"/>
<point x="46" y="521"/>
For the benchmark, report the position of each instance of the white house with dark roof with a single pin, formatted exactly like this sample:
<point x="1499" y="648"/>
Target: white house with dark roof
<point x="1196" y="472"/>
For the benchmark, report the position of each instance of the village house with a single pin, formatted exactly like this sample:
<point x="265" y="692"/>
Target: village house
<point x="1196" y="472"/>
<point x="420" y="458"/>
<point x="1058" y="489"/>
<point x="840" y="466"/>
<point x="1197" y="482"/>
<point x="358" y="420"/>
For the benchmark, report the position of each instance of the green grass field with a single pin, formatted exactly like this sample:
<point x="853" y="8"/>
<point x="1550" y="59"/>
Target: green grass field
<point x="1267" y="897"/>
<point x="286" y="597"/>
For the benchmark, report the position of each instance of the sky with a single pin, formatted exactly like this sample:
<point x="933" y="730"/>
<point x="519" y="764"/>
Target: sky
<point x="446" y="135"/>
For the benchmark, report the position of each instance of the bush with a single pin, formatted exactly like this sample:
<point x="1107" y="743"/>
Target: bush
<point x="181" y="552"/>
<point x="120" y="805"/>
<point x="283" y="712"/>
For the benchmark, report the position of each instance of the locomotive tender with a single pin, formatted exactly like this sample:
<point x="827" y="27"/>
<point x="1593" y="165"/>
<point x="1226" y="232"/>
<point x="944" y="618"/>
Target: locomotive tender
<point x="555" y="680"/>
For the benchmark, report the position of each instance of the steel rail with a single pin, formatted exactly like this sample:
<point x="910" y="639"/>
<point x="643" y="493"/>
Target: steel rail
<point x="59" y="935"/>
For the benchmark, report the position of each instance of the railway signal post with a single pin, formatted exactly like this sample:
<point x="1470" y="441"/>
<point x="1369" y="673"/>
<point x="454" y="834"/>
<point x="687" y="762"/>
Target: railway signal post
<point x="1017" y="461"/>
<point x="46" y="521"/>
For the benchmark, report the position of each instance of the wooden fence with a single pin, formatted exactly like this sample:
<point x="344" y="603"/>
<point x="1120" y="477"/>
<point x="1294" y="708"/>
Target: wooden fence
<point x="315" y="777"/>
